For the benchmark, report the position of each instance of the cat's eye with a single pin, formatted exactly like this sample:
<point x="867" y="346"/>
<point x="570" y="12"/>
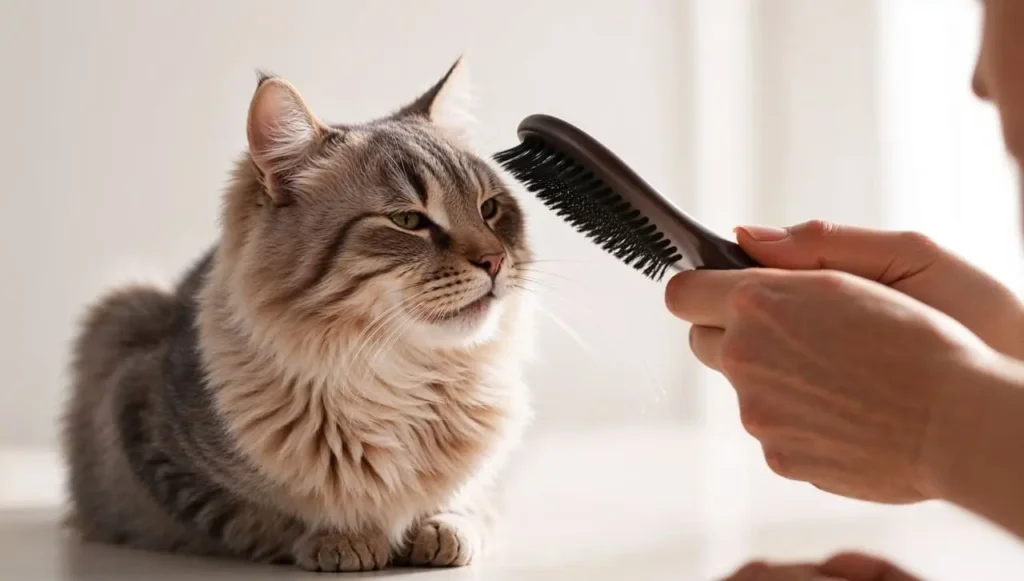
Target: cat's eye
<point x="489" y="208"/>
<point x="410" y="220"/>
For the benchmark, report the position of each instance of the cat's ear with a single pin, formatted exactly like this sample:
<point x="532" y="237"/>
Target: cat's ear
<point x="281" y="131"/>
<point x="447" y="104"/>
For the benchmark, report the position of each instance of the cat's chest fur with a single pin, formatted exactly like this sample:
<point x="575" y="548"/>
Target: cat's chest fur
<point x="381" y="447"/>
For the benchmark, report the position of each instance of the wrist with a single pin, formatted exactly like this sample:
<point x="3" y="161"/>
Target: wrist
<point x="974" y="433"/>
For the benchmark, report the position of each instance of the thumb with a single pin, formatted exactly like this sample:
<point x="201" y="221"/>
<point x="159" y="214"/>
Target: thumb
<point x="879" y="255"/>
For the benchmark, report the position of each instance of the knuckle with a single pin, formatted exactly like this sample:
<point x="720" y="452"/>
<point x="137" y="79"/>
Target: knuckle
<point x="735" y="354"/>
<point x="777" y="462"/>
<point x="748" y="297"/>
<point x="814" y="229"/>
<point x="914" y="242"/>
<point x="829" y="281"/>
<point x="754" y="417"/>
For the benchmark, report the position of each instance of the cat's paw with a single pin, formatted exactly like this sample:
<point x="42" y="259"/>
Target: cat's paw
<point x="342" y="552"/>
<point x="443" y="540"/>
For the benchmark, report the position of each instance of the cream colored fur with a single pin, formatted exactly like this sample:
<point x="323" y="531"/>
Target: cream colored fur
<point x="361" y="417"/>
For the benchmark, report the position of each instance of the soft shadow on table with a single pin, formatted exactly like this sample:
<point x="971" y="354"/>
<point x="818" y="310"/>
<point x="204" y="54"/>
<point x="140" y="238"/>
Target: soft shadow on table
<point x="33" y="546"/>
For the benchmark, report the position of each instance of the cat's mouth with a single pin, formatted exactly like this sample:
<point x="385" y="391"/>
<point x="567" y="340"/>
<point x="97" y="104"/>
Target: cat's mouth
<point x="471" y="310"/>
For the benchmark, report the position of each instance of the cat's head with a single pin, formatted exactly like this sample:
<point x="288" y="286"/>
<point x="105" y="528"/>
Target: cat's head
<point x="393" y="224"/>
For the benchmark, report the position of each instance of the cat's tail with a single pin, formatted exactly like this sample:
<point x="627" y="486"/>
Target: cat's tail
<point x="123" y="323"/>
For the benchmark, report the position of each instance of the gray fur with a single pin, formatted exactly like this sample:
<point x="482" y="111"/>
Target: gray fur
<point x="151" y="460"/>
<point x="148" y="456"/>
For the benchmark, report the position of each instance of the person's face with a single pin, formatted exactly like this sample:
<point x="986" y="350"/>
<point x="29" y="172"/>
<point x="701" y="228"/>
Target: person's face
<point x="999" y="73"/>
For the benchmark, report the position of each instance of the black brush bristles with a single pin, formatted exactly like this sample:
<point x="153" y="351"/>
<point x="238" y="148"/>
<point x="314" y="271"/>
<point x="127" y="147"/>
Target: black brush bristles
<point x="586" y="202"/>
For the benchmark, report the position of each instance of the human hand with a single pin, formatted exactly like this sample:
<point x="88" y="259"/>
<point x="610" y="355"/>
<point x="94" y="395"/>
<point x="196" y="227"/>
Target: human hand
<point x="905" y="261"/>
<point x="759" y="571"/>
<point x="837" y="376"/>
<point x="842" y="567"/>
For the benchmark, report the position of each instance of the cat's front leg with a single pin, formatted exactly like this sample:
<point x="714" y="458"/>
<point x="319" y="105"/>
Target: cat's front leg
<point x="445" y="539"/>
<point x="329" y="551"/>
<point x="454" y="536"/>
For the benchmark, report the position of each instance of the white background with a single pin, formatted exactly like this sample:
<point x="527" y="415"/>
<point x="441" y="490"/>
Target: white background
<point x="120" y="120"/>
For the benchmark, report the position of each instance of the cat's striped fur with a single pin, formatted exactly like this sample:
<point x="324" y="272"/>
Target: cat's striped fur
<point x="337" y="383"/>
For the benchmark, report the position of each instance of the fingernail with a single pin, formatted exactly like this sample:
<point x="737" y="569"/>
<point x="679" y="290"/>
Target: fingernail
<point x="764" y="233"/>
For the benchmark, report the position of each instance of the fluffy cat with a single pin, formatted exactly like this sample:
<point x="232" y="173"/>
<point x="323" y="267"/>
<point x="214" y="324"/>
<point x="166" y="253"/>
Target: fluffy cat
<point x="337" y="382"/>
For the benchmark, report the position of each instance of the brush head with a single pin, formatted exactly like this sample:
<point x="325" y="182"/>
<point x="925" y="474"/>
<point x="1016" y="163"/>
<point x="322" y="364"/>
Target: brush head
<point x="586" y="202"/>
<point x="597" y="193"/>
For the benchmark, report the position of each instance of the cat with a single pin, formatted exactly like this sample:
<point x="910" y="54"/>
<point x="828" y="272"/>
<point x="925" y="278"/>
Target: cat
<point x="338" y="382"/>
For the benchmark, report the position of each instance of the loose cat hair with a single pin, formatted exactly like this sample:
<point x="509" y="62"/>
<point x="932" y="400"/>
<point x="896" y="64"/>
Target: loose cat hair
<point x="337" y="383"/>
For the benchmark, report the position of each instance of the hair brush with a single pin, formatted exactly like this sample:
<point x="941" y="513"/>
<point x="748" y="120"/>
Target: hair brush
<point x="597" y="193"/>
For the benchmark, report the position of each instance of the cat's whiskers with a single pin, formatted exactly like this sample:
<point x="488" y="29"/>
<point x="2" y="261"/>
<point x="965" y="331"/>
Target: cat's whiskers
<point x="398" y="329"/>
<point x="422" y="311"/>
<point x="382" y="319"/>
<point x="556" y="260"/>
<point x="380" y="327"/>
<point x="376" y="326"/>
<point x="530" y="267"/>
<point x="569" y="331"/>
<point x="644" y="370"/>
<point x="402" y="328"/>
<point x="520" y="278"/>
<point x="551" y="289"/>
<point x="542" y="272"/>
<point x="602" y="362"/>
<point x="571" y="304"/>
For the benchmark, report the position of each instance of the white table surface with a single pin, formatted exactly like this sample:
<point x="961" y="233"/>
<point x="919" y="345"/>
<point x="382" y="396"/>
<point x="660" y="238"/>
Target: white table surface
<point x="642" y="503"/>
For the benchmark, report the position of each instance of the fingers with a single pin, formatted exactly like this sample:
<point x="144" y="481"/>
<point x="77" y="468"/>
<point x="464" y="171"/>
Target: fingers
<point x="700" y="296"/>
<point x="706" y="344"/>
<point x="878" y="255"/>
<point x="792" y="465"/>
<point x="795" y="460"/>
<point x="707" y="297"/>
<point x="760" y="571"/>
<point x="749" y="572"/>
<point x="845" y="566"/>
<point x="860" y="567"/>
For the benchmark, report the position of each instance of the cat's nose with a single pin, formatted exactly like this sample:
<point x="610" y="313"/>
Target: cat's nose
<point x="491" y="263"/>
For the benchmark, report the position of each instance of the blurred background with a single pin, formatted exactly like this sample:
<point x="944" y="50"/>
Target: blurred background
<point x="121" y="118"/>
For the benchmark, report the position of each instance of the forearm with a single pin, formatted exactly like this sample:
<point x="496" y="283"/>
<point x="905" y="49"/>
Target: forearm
<point x="974" y="455"/>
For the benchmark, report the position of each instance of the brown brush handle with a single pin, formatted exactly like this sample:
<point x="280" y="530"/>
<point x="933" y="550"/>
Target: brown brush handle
<point x="699" y="247"/>
<point x="721" y="254"/>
